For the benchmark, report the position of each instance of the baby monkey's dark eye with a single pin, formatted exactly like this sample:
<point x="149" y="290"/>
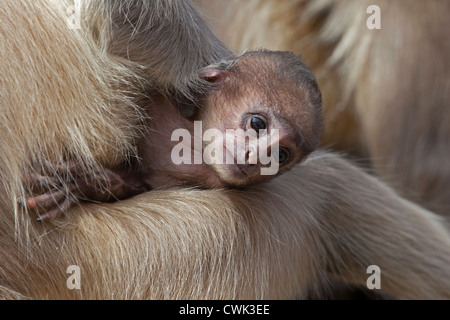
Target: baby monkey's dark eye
<point x="283" y="155"/>
<point x="258" y="124"/>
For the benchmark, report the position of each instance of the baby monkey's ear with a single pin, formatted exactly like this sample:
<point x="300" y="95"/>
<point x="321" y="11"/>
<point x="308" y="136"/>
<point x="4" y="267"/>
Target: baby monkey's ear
<point x="214" y="75"/>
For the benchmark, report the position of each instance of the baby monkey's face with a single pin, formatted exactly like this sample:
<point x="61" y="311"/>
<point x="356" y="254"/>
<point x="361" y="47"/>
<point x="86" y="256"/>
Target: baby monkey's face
<point x="257" y="145"/>
<point x="266" y="111"/>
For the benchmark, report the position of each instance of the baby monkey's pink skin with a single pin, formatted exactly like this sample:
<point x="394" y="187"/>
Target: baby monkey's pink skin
<point x="260" y="90"/>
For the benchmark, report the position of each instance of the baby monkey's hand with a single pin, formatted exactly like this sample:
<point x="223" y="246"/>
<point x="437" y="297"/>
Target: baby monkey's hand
<point x="57" y="188"/>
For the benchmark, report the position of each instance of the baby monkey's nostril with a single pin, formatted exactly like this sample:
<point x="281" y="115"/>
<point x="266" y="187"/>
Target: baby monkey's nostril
<point x="251" y="157"/>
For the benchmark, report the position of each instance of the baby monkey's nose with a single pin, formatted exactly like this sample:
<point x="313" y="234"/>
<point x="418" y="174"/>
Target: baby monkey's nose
<point x="251" y="166"/>
<point x="251" y="156"/>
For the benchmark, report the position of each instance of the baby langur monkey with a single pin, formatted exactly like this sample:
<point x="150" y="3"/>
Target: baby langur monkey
<point x="249" y="99"/>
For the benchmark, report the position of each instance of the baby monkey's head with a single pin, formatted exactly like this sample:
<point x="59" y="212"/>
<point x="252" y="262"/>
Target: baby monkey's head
<point x="268" y="106"/>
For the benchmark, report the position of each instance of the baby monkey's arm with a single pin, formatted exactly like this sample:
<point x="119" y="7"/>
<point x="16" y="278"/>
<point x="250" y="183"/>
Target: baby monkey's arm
<point x="60" y="187"/>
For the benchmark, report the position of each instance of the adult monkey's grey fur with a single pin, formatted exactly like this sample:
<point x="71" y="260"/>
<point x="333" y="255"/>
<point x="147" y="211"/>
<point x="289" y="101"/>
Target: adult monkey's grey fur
<point x="167" y="41"/>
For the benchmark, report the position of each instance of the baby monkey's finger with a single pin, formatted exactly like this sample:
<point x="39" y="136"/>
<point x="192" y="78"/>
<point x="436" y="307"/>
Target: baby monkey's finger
<point x="57" y="211"/>
<point x="46" y="200"/>
<point x="34" y="180"/>
<point x="27" y="203"/>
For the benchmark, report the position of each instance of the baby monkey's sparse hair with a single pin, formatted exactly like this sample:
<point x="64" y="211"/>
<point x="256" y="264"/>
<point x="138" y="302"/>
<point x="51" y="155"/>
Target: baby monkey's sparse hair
<point x="264" y="64"/>
<point x="278" y="81"/>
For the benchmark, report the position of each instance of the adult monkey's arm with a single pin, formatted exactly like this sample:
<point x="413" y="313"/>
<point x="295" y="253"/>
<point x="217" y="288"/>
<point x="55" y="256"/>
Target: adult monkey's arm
<point x="273" y="241"/>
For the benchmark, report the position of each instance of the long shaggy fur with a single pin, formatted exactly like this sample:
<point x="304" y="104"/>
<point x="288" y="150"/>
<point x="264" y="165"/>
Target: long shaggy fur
<point x="62" y="95"/>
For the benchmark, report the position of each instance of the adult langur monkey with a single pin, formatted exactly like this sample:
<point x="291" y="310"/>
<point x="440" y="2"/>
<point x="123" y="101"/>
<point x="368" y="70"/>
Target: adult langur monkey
<point x="385" y="90"/>
<point x="70" y="92"/>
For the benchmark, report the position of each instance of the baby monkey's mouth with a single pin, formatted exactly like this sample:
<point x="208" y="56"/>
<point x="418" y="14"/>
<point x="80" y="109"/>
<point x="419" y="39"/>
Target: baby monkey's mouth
<point x="237" y="171"/>
<point x="241" y="170"/>
<point x="245" y="171"/>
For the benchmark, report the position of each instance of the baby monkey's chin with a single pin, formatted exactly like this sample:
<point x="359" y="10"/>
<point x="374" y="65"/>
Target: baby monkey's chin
<point x="234" y="175"/>
<point x="231" y="174"/>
